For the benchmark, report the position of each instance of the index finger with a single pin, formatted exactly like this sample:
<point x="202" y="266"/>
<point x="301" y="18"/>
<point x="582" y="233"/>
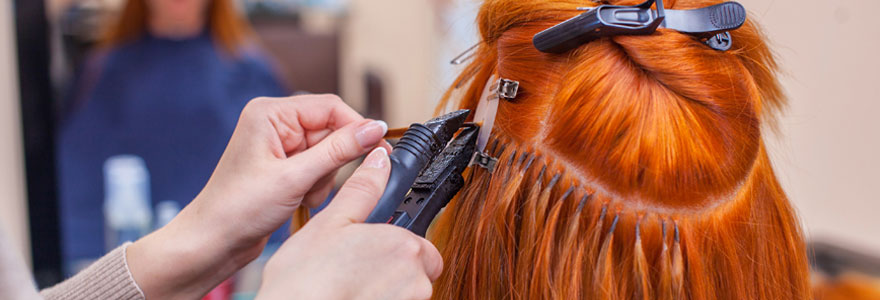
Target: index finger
<point x="318" y="112"/>
<point x="302" y="121"/>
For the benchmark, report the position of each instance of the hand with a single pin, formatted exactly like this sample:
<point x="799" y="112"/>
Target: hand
<point x="284" y="152"/>
<point x="335" y="256"/>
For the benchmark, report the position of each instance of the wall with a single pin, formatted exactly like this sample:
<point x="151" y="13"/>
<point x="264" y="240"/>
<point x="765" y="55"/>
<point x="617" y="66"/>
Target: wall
<point x="828" y="152"/>
<point x="13" y="208"/>
<point x="394" y="39"/>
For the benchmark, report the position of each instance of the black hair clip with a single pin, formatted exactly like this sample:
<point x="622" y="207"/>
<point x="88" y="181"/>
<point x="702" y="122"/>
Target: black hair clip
<point x="711" y="23"/>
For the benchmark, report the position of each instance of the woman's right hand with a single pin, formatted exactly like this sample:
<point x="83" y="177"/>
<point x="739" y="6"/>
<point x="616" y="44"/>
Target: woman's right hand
<point x="336" y="256"/>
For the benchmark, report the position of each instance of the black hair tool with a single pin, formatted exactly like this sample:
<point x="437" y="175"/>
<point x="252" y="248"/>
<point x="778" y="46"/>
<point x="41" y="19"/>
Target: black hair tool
<point x="437" y="183"/>
<point x="711" y="23"/>
<point x="417" y="149"/>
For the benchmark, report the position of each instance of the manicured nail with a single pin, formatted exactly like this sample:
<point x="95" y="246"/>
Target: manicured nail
<point x="371" y="133"/>
<point x="377" y="159"/>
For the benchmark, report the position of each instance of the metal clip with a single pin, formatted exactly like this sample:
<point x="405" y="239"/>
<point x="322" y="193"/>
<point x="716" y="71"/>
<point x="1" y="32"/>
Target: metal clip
<point x="466" y="55"/>
<point x="505" y="89"/>
<point x="484" y="161"/>
<point x="720" y="42"/>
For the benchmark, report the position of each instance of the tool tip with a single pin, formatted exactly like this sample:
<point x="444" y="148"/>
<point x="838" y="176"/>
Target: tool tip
<point x="456" y="116"/>
<point x="446" y="125"/>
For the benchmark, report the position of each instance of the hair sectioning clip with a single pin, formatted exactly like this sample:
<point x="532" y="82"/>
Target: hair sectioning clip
<point x="496" y="88"/>
<point x="712" y="23"/>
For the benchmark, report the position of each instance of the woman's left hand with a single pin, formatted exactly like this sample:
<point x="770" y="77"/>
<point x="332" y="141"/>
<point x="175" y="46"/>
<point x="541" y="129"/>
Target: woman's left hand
<point x="284" y="153"/>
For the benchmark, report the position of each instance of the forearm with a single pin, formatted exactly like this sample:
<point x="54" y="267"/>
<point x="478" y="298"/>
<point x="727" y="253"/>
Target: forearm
<point x="107" y="278"/>
<point x="177" y="262"/>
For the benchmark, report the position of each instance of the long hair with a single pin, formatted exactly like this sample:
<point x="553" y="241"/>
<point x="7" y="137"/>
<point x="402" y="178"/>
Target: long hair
<point x="630" y="168"/>
<point x="847" y="286"/>
<point x="228" y="28"/>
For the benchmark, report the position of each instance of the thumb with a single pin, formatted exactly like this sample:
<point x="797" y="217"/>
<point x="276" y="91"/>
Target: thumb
<point x="360" y="193"/>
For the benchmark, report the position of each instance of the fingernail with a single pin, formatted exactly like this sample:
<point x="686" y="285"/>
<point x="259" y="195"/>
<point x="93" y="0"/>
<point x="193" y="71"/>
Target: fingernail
<point x="371" y="133"/>
<point x="377" y="159"/>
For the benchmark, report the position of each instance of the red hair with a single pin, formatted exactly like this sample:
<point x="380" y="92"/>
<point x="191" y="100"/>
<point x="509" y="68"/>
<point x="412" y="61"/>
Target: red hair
<point x="848" y="286"/>
<point x="630" y="168"/>
<point x="229" y="29"/>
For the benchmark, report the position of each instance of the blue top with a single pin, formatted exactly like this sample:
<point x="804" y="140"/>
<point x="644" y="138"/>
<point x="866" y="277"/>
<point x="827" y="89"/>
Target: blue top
<point x="174" y="103"/>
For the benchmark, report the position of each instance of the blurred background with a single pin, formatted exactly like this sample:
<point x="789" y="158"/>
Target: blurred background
<point x="76" y="183"/>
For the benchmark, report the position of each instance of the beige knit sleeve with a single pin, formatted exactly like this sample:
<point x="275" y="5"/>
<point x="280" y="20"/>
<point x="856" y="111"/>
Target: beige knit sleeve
<point x="107" y="278"/>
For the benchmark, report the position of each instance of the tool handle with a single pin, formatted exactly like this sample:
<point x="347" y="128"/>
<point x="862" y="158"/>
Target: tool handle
<point x="405" y="168"/>
<point x="411" y="154"/>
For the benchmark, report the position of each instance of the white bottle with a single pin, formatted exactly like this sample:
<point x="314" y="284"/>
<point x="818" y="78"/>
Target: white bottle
<point x="127" y="210"/>
<point x="165" y="212"/>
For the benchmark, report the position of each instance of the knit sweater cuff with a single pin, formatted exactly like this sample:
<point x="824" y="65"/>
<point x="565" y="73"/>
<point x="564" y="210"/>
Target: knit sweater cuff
<point x="107" y="278"/>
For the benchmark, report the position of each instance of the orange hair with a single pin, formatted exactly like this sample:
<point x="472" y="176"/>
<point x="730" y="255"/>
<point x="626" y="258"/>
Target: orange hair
<point x="630" y="168"/>
<point x="849" y="286"/>
<point x="229" y="29"/>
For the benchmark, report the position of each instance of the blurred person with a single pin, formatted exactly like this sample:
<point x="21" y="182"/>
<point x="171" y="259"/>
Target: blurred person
<point x="167" y="84"/>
